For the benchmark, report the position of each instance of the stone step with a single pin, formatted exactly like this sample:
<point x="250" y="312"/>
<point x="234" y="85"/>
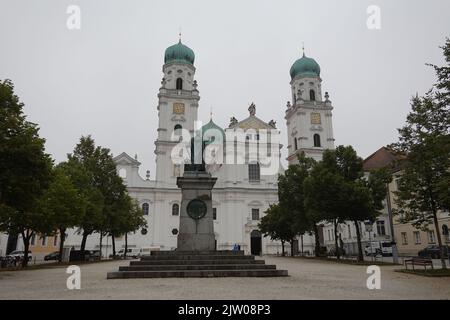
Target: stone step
<point x="197" y="257"/>
<point x="195" y="262"/>
<point x="196" y="267"/>
<point x="219" y="252"/>
<point x="196" y="274"/>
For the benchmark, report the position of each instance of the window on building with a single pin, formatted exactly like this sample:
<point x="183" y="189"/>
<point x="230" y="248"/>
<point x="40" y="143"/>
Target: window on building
<point x="445" y="233"/>
<point x="44" y="241"/>
<point x="404" y="238"/>
<point x="144" y="231"/>
<point x="329" y="235"/>
<point x="381" y="229"/>
<point x="179" y="84"/>
<point x="255" y="214"/>
<point x="214" y="213"/>
<point x="312" y="95"/>
<point x="175" y="209"/>
<point x="177" y="127"/>
<point x="316" y="138"/>
<point x="431" y="236"/>
<point x="33" y="239"/>
<point x="253" y="172"/>
<point x="417" y="237"/>
<point x="145" y="208"/>
<point x="55" y="240"/>
<point x="295" y="143"/>
<point x="174" y="231"/>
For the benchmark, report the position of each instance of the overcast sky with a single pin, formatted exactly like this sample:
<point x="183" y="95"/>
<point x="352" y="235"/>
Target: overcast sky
<point x="103" y="79"/>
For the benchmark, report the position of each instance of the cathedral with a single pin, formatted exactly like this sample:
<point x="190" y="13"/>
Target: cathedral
<point x="242" y="192"/>
<point x="245" y="188"/>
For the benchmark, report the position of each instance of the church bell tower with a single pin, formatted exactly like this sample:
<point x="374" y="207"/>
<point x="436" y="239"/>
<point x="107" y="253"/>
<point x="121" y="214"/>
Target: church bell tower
<point x="308" y="115"/>
<point x="177" y="109"/>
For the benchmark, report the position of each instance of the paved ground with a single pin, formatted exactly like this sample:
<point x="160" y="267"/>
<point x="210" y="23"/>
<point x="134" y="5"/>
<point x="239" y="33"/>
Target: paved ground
<point x="309" y="279"/>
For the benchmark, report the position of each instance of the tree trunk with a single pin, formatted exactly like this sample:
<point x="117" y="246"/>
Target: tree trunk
<point x="336" y="240"/>
<point x="358" y="239"/>
<point x="26" y="235"/>
<point x="83" y="240"/>
<point x="113" y="239"/>
<point x="301" y="241"/>
<point x="126" y="246"/>
<point x="62" y="232"/>
<point x="282" y="248"/>
<point x="317" y="240"/>
<point x="100" y="245"/>
<point x="438" y="234"/>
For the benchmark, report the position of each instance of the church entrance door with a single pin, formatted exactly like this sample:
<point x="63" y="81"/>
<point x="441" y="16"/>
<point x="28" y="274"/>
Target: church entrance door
<point x="255" y="243"/>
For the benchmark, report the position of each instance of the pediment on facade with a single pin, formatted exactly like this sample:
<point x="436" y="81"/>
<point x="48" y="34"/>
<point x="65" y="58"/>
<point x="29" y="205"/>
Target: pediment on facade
<point x="252" y="122"/>
<point x="125" y="159"/>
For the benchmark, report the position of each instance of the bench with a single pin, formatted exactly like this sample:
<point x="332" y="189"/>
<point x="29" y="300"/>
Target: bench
<point x="416" y="261"/>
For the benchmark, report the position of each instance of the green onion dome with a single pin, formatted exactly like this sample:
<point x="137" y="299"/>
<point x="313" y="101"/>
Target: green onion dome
<point x="179" y="53"/>
<point x="306" y="67"/>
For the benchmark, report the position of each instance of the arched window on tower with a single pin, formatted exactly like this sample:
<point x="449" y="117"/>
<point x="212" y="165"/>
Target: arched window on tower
<point x="175" y="209"/>
<point x="295" y="143"/>
<point x="312" y="95"/>
<point x="316" y="140"/>
<point x="179" y="84"/>
<point x="177" y="131"/>
<point x="145" y="208"/>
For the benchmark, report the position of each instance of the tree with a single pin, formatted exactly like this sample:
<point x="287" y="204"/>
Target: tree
<point x="326" y="197"/>
<point x="25" y="169"/>
<point x="423" y="188"/>
<point x="93" y="217"/>
<point x="292" y="197"/>
<point x="132" y="219"/>
<point x="62" y="205"/>
<point x="277" y="225"/>
<point x="336" y="190"/>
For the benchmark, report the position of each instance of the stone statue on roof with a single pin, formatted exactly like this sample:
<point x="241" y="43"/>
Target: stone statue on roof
<point x="252" y="109"/>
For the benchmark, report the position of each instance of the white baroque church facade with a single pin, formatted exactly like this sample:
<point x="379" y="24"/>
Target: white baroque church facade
<point x="242" y="193"/>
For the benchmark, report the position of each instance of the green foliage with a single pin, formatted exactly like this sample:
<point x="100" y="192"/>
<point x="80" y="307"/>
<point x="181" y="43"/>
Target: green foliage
<point x="25" y="168"/>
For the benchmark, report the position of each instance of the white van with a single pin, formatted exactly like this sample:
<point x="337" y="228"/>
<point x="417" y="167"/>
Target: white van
<point x="383" y="248"/>
<point x="131" y="252"/>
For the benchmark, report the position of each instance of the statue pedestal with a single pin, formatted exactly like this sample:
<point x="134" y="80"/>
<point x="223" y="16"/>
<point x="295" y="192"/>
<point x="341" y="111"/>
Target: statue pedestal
<point x="196" y="233"/>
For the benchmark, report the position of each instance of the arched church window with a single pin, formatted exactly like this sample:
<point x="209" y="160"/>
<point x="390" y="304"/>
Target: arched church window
<point x="179" y="84"/>
<point x="145" y="208"/>
<point x="316" y="140"/>
<point x="295" y="143"/>
<point x="312" y="95"/>
<point x="175" y="209"/>
<point x="177" y="127"/>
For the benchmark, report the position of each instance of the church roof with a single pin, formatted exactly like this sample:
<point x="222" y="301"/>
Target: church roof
<point x="252" y="122"/>
<point x="382" y="158"/>
<point x="307" y="67"/>
<point x="179" y="53"/>
<point x="125" y="159"/>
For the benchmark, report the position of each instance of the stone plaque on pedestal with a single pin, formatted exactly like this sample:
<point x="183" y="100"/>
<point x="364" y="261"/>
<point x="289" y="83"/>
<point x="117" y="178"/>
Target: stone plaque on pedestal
<point x="196" y="231"/>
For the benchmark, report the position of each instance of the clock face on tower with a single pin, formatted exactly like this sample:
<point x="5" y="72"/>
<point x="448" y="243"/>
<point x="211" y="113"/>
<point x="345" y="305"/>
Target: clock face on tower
<point x="315" y="118"/>
<point x="178" y="108"/>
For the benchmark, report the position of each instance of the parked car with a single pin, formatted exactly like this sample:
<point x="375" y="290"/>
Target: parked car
<point x="19" y="255"/>
<point x="52" y="256"/>
<point x="86" y="255"/>
<point x="131" y="252"/>
<point x="433" y="252"/>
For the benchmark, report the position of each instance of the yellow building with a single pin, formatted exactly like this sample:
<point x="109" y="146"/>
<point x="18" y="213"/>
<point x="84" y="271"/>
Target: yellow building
<point x="409" y="239"/>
